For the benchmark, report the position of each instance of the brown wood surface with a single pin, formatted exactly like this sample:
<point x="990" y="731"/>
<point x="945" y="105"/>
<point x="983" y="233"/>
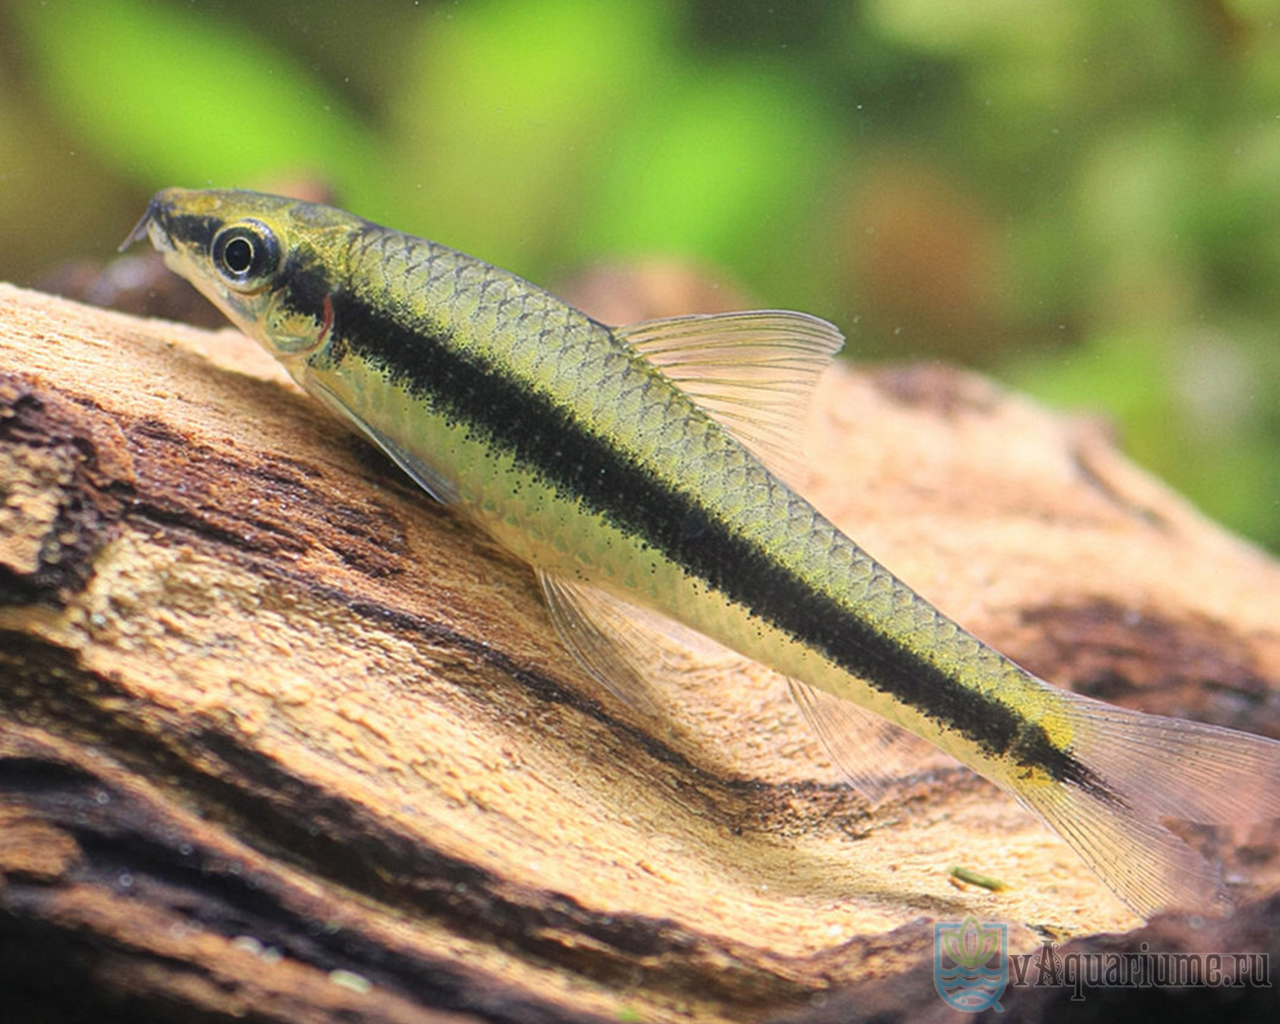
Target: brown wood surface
<point x="281" y="739"/>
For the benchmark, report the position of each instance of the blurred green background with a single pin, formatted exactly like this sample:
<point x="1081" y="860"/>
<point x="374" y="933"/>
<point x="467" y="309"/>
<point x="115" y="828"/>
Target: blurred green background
<point x="1080" y="198"/>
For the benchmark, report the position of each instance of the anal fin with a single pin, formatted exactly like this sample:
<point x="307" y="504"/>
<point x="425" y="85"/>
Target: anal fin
<point x="634" y="652"/>
<point x="872" y="752"/>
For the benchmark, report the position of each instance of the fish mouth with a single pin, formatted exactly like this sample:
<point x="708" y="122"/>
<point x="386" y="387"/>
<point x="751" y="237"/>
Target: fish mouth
<point x="151" y="226"/>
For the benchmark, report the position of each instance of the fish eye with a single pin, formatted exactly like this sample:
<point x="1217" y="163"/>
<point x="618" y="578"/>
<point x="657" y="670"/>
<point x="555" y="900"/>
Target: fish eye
<point x="245" y="254"/>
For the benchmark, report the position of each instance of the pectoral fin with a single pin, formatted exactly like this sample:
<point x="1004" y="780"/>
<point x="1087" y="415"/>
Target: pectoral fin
<point x="426" y="477"/>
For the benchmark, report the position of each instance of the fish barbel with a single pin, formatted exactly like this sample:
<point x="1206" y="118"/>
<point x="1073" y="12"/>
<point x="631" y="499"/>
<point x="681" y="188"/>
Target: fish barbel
<point x="641" y="471"/>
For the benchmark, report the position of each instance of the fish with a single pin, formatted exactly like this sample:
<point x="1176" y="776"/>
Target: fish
<point x="647" y="475"/>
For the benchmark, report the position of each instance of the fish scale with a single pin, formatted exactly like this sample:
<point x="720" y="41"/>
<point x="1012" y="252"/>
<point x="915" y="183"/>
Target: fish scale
<point x="634" y="469"/>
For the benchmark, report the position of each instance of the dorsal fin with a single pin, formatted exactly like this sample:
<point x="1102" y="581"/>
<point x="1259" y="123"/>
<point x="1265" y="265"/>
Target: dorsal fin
<point x="754" y="372"/>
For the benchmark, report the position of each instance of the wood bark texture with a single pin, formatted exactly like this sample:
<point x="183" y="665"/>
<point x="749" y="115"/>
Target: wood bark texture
<point x="281" y="740"/>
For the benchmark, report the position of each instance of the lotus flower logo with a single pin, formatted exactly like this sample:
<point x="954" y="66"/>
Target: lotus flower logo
<point x="964" y="973"/>
<point x="973" y="945"/>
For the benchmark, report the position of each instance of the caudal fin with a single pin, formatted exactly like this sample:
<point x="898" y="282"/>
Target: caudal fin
<point x="1153" y="770"/>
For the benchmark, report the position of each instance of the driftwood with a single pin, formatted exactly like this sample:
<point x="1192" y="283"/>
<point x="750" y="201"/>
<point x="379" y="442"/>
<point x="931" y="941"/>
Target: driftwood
<point x="282" y="740"/>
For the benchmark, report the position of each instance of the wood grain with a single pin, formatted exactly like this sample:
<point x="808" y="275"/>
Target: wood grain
<point x="281" y="739"/>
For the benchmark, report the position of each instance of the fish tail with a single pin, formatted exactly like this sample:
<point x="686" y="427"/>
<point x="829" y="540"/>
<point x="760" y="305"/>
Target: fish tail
<point x="1144" y="773"/>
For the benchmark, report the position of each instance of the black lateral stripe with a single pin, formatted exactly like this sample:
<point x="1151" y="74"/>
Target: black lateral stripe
<point x="564" y="453"/>
<point x="192" y="228"/>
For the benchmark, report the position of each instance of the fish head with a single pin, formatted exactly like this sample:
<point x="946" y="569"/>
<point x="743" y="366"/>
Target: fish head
<point x="264" y="260"/>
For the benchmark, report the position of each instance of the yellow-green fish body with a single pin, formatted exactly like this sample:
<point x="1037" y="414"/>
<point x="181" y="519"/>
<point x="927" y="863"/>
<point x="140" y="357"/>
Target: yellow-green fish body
<point x="641" y="471"/>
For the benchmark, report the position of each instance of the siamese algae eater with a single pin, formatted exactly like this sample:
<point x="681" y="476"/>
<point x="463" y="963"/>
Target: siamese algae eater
<point x="640" y="470"/>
